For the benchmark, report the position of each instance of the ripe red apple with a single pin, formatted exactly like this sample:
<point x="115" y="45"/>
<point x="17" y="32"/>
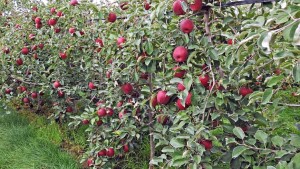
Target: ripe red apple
<point x="101" y="112"/>
<point x="162" y="97"/>
<point x="277" y="71"/>
<point x="91" y="86"/>
<point x="122" y="113"/>
<point x="102" y="153"/>
<point x="34" y="47"/>
<point x="56" y="84"/>
<point x="112" y="17"/>
<point x="127" y="88"/>
<point x="23" y="89"/>
<point x="73" y="2"/>
<point x="35" y="8"/>
<point x="204" y="80"/>
<point x="147" y="6"/>
<point x="120" y="41"/>
<point x="108" y="74"/>
<point x="18" y="26"/>
<point x="63" y="55"/>
<point x="179" y="105"/>
<point x="180" y="87"/>
<point x="52" y="10"/>
<point x="60" y="94"/>
<point x="34" y="95"/>
<point x="126" y="148"/>
<point x="230" y="42"/>
<point x="177" y="8"/>
<point x="153" y="101"/>
<point x="38" y="26"/>
<point x="90" y="162"/>
<point x="99" y="42"/>
<point x="6" y="50"/>
<point x="186" y="26"/>
<point x="206" y="143"/>
<point x="110" y="152"/>
<point x="99" y="122"/>
<point x="7" y="91"/>
<point x="244" y="91"/>
<point x="245" y="127"/>
<point x="85" y="121"/>
<point x="72" y="30"/>
<point x="188" y="102"/>
<point x="178" y="72"/>
<point x="38" y="20"/>
<point x="31" y="36"/>
<point x="120" y="103"/>
<point x="196" y="6"/>
<point x="19" y="62"/>
<point x="25" y="51"/>
<point x="180" y="54"/>
<point x="109" y="112"/>
<point x="35" y="56"/>
<point x="52" y="22"/>
<point x="41" y="46"/>
<point x="59" y="14"/>
<point x="81" y="33"/>
<point x="124" y="5"/>
<point x="26" y="100"/>
<point x="57" y="30"/>
<point x="69" y="109"/>
<point x="162" y="119"/>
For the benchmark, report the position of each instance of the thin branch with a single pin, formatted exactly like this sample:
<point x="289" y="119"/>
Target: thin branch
<point x="21" y="80"/>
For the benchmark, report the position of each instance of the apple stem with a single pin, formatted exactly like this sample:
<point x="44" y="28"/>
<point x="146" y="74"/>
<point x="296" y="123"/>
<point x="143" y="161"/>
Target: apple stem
<point x="150" y="115"/>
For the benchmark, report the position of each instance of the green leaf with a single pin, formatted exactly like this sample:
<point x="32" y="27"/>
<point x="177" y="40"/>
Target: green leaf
<point x="296" y="72"/>
<point x="267" y="96"/>
<point x="264" y="41"/>
<point x="283" y="54"/>
<point x="239" y="132"/>
<point x="168" y="149"/>
<point x="295" y="141"/>
<point x="261" y="136"/>
<point x="149" y="48"/>
<point x="237" y="151"/>
<point x="295" y="34"/>
<point x="277" y="141"/>
<point x="176" y="143"/>
<point x="188" y="81"/>
<point x="274" y="80"/>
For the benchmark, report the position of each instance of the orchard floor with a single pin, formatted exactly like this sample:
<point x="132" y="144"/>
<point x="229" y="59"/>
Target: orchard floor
<point x="21" y="147"/>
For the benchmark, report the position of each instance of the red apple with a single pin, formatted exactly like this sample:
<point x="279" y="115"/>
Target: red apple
<point x="52" y="22"/>
<point x="85" y="121"/>
<point x="52" y="10"/>
<point x="90" y="162"/>
<point x="63" y="55"/>
<point x="19" y="62"/>
<point x="188" y="102"/>
<point x="162" y="97"/>
<point x="99" y="122"/>
<point x="147" y="6"/>
<point x="31" y="36"/>
<point x="186" y="26"/>
<point x="153" y="101"/>
<point x="6" y="50"/>
<point x="35" y="8"/>
<point x="120" y="103"/>
<point x="178" y="72"/>
<point x="204" y="80"/>
<point x="162" y="119"/>
<point x="120" y="41"/>
<point x="26" y="100"/>
<point x="230" y="42"/>
<point x="126" y="148"/>
<point x="124" y="5"/>
<point x="34" y="95"/>
<point x="69" y="109"/>
<point x="112" y="17"/>
<point x="277" y="71"/>
<point x="7" y="91"/>
<point x="23" y="89"/>
<point x="180" y="87"/>
<point x="180" y="54"/>
<point x="206" y="143"/>
<point x="57" y="30"/>
<point x="108" y="74"/>
<point x="73" y="2"/>
<point x="99" y="42"/>
<point x="41" y="46"/>
<point x="25" y="51"/>
<point x="127" y="88"/>
<point x="56" y="84"/>
<point x="38" y="20"/>
<point x="196" y="6"/>
<point x="244" y="91"/>
<point x="60" y="94"/>
<point x="102" y="153"/>
<point x="179" y="105"/>
<point x="177" y="8"/>
<point x="109" y="112"/>
<point x="91" y="86"/>
<point x="144" y="76"/>
<point x="72" y="30"/>
<point x="59" y="14"/>
<point x="35" y="56"/>
<point x="110" y="152"/>
<point x="122" y="113"/>
<point x="101" y="112"/>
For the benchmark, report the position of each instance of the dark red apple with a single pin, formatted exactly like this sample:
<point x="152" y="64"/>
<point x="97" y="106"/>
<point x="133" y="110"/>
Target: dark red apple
<point x="244" y="91"/>
<point x="25" y="51"/>
<point x="206" y="143"/>
<point x="204" y="80"/>
<point x="126" y="148"/>
<point x="109" y="112"/>
<point x="56" y="84"/>
<point x="72" y="30"/>
<point x="112" y="17"/>
<point x="69" y="109"/>
<point x="127" y="88"/>
<point x="196" y="6"/>
<point x="34" y="47"/>
<point x="180" y="54"/>
<point x="7" y="91"/>
<point x="26" y="100"/>
<point x="35" y="56"/>
<point x="101" y="112"/>
<point x="99" y="122"/>
<point x="60" y="94"/>
<point x="34" y="95"/>
<point x="186" y="26"/>
<point x="110" y="152"/>
<point x="57" y="30"/>
<point x="91" y="86"/>
<point x="35" y="8"/>
<point x="23" y="89"/>
<point x="178" y="72"/>
<point x="63" y="55"/>
<point x="52" y="10"/>
<point x="38" y="20"/>
<point x="6" y="50"/>
<point x="59" y="14"/>
<point x="52" y="22"/>
<point x="99" y="42"/>
<point x="177" y="8"/>
<point x="108" y="74"/>
<point x="102" y="153"/>
<point x="121" y="41"/>
<point x="215" y="123"/>
<point x="74" y="2"/>
<point x="41" y="46"/>
<point x="180" y="87"/>
<point x="147" y="6"/>
<point x="277" y="71"/>
<point x="85" y="121"/>
<point x="19" y="62"/>
<point x="162" y="119"/>
<point x="162" y="97"/>
<point x="38" y="26"/>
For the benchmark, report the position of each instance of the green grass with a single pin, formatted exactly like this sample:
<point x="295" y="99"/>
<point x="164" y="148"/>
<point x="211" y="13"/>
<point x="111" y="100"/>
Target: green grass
<point x="23" y="146"/>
